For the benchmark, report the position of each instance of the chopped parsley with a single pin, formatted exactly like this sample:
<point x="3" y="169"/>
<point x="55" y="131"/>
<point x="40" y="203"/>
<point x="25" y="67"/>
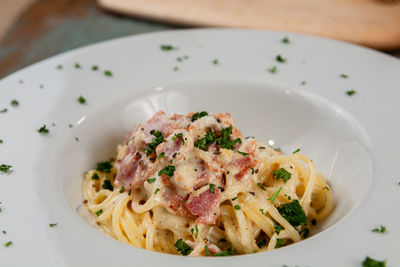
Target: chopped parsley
<point x="4" y="110"/>
<point x="350" y="92"/>
<point x="182" y="247"/>
<point x="178" y="135"/>
<point x="303" y="83"/>
<point x="325" y="188"/>
<point x="277" y="149"/>
<point x="122" y="189"/>
<point x="228" y="252"/>
<point x="176" y="68"/>
<point x="285" y="40"/>
<point x="198" y="115"/>
<point x="282" y="174"/>
<point x="233" y="199"/>
<point x="293" y="213"/>
<point x="297" y="150"/>
<point x="206" y="141"/>
<point x="212" y="188"/>
<point x="237" y="207"/>
<point x="280" y="59"/>
<point x="95" y="176"/>
<point x="165" y="47"/>
<point x="162" y="154"/>
<point x="369" y="262"/>
<point x="275" y="195"/>
<point x="279" y="243"/>
<point x="261" y="186"/>
<point x="77" y="66"/>
<point x="5" y="168"/>
<point x="207" y="251"/>
<point x="215" y="61"/>
<point x="155" y="192"/>
<point x="104" y="166"/>
<point x="243" y="153"/>
<point x="252" y="170"/>
<point x="382" y="229"/>
<point x="59" y="67"/>
<point x="273" y="69"/>
<point x="9" y="243"/>
<point x="168" y="170"/>
<point x="305" y="232"/>
<point x="81" y="100"/>
<point x="14" y="103"/>
<point x="53" y="224"/>
<point x="277" y="229"/>
<point x="1" y="141"/>
<point x="76" y="139"/>
<point x="108" y="73"/>
<point x="158" y="140"/>
<point x="345" y="76"/>
<point x="99" y="212"/>
<point x="43" y="129"/>
<point x="107" y="185"/>
<point x="224" y="141"/>
<point x="151" y="180"/>
<point x="195" y="231"/>
<point x="262" y="243"/>
<point x="95" y="67"/>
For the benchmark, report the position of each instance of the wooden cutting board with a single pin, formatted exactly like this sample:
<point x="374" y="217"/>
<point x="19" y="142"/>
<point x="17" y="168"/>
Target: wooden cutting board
<point x="373" y="23"/>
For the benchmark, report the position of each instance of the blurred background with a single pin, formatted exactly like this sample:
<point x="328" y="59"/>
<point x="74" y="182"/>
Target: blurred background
<point x="32" y="30"/>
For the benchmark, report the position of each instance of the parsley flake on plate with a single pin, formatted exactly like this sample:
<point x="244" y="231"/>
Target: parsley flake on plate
<point x="215" y="61"/>
<point x="53" y="224"/>
<point x="14" y="103"/>
<point x="77" y="66"/>
<point x="345" y="76"/>
<point x="199" y="115"/>
<point x="296" y="151"/>
<point x="273" y="69"/>
<point x="280" y="59"/>
<point x="381" y="229"/>
<point x="5" y="168"/>
<point x="167" y="47"/>
<point x="350" y="92"/>
<point x="4" y="110"/>
<point x="81" y="100"/>
<point x="369" y="262"/>
<point x="285" y="40"/>
<point x="95" y="67"/>
<point x="43" y="129"/>
<point x="9" y="243"/>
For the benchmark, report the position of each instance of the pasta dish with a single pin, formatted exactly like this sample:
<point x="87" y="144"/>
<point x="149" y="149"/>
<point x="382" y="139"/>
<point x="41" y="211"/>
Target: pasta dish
<point x="193" y="185"/>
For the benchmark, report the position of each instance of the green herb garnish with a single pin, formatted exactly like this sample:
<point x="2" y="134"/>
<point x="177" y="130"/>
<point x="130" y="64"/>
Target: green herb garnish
<point x="104" y="166"/>
<point x="195" y="231"/>
<point x="282" y="174"/>
<point x="325" y="188"/>
<point x="207" y="251"/>
<point x="285" y="40"/>
<point x="350" y="92"/>
<point x="369" y="262"/>
<point x="182" y="247"/>
<point x="178" y="135"/>
<point x="252" y="170"/>
<point x="280" y="59"/>
<point x="275" y="195"/>
<point x="59" y="67"/>
<point x="5" y="168"/>
<point x="237" y="207"/>
<point x="53" y="224"/>
<point x="279" y="243"/>
<point x="168" y="170"/>
<point x="233" y="199"/>
<point x="215" y="62"/>
<point x="345" y="76"/>
<point x="162" y="154"/>
<point x="198" y="115"/>
<point x="99" y="212"/>
<point x="273" y="69"/>
<point x="107" y="185"/>
<point x="43" y="129"/>
<point x="95" y="67"/>
<point x="95" y="176"/>
<point x="155" y="192"/>
<point x="228" y="252"/>
<point x="296" y="151"/>
<point x="382" y="229"/>
<point x="9" y="243"/>
<point x="243" y="153"/>
<point x="293" y="213"/>
<point x="176" y="68"/>
<point x="224" y="141"/>
<point x="166" y="47"/>
<point x="212" y="188"/>
<point x="158" y="140"/>
<point x="108" y="73"/>
<point x="206" y="141"/>
<point x="77" y="66"/>
<point x="261" y="186"/>
<point x="151" y="180"/>
<point x="277" y="228"/>
<point x="81" y="100"/>
<point x="14" y="103"/>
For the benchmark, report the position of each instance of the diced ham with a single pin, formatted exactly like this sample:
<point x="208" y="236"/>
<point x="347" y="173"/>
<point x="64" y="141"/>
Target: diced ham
<point x="242" y="166"/>
<point x="176" y="203"/>
<point x="205" y="205"/>
<point x="159" y="122"/>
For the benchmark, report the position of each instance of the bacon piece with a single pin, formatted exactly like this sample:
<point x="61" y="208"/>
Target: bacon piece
<point x="243" y="165"/>
<point x="159" y="122"/>
<point x="176" y="203"/>
<point x="205" y="205"/>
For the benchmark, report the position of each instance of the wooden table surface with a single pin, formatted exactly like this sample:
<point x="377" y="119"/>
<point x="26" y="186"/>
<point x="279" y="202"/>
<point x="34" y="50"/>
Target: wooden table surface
<point x="49" y="27"/>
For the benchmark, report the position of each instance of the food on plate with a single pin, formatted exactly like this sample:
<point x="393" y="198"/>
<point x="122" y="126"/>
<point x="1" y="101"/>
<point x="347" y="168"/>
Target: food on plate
<point x="193" y="185"/>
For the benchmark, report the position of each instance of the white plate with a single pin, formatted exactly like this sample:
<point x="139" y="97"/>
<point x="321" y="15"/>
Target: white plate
<point x="354" y="140"/>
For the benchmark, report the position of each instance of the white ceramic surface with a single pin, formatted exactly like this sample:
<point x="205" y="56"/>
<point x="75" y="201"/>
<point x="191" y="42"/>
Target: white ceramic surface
<point x="353" y="139"/>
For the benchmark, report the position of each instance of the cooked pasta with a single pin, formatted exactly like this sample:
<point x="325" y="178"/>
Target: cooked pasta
<point x="192" y="185"/>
